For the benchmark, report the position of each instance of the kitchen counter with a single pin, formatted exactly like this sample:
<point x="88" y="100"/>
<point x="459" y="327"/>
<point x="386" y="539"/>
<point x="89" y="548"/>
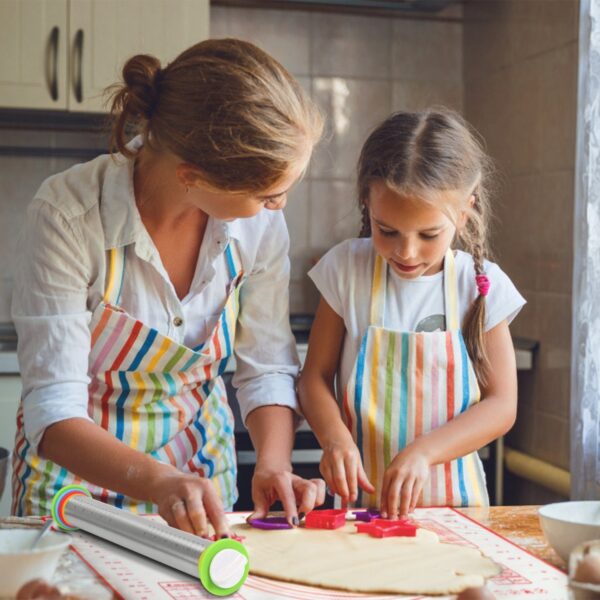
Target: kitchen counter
<point x="519" y="524"/>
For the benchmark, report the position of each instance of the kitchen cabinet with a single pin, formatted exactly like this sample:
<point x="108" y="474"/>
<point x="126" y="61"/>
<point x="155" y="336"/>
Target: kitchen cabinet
<point x="10" y="395"/>
<point x="62" y="54"/>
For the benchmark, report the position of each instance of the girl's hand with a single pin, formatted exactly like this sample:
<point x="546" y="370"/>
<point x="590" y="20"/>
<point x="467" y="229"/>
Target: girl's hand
<point x="188" y="502"/>
<point x="403" y="482"/>
<point x="342" y="468"/>
<point x="273" y="482"/>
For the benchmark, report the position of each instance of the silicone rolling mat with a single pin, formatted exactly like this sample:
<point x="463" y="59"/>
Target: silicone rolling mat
<point x="133" y="577"/>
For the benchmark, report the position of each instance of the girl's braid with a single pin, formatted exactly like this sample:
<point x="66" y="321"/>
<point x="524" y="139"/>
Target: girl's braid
<point x="474" y="324"/>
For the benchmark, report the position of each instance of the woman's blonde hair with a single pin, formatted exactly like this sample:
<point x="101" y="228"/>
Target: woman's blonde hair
<point x="223" y="106"/>
<point x="434" y="156"/>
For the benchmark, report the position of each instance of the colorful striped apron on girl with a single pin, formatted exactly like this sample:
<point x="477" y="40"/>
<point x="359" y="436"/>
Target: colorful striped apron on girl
<point x="404" y="385"/>
<point x="152" y="393"/>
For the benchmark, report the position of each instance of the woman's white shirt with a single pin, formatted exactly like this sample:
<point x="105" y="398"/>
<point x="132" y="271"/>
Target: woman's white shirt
<point x="344" y="277"/>
<point x="78" y="215"/>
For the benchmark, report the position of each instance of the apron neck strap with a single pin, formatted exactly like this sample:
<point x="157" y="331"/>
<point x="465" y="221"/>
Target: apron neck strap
<point x="451" y="292"/>
<point x="378" y="291"/>
<point x="234" y="260"/>
<point x="379" y="288"/>
<point x="114" y="275"/>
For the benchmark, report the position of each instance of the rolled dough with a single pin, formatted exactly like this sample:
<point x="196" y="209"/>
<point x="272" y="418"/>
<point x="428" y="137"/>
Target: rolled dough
<point x="356" y="562"/>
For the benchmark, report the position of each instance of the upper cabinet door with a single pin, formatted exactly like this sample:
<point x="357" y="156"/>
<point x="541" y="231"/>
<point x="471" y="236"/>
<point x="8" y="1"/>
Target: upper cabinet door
<point x="105" y="33"/>
<point x="33" y="61"/>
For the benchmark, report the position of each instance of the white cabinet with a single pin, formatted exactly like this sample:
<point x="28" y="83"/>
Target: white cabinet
<point x="33" y="53"/>
<point x="10" y="395"/>
<point x="62" y="54"/>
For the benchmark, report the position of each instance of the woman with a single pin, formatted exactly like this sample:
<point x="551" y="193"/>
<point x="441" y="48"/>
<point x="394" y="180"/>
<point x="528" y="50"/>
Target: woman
<point x="141" y="273"/>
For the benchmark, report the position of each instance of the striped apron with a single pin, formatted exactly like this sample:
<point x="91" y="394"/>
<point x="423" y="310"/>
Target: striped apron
<point x="404" y="385"/>
<point x="152" y="393"/>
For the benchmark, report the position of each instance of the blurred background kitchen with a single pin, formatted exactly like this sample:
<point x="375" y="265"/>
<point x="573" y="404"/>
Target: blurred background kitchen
<point x="509" y="66"/>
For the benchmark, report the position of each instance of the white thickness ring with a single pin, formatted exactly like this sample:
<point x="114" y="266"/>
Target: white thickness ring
<point x="227" y="568"/>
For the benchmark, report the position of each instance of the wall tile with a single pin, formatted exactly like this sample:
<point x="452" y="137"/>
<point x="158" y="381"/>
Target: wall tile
<point x="553" y="206"/>
<point x="334" y="215"/>
<point x="522" y="435"/>
<point x="523" y="133"/>
<point x="487" y="108"/>
<point x="512" y="241"/>
<point x="540" y="25"/>
<point x="427" y="50"/>
<point x="345" y="45"/>
<point x="554" y="354"/>
<point x="419" y="95"/>
<point x="558" y="107"/>
<point x="552" y="440"/>
<point x="533" y="230"/>
<point x="283" y="34"/>
<point x="486" y="38"/>
<point x="353" y="107"/>
<point x="506" y="32"/>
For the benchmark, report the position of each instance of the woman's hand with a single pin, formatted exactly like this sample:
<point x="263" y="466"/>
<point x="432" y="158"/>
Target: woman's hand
<point x="403" y="482"/>
<point x="188" y="502"/>
<point x="342" y="468"/>
<point x="273" y="482"/>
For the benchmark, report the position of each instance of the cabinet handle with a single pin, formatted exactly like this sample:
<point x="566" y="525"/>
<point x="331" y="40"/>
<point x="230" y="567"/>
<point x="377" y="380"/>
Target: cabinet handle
<point x="52" y="63"/>
<point x="78" y="66"/>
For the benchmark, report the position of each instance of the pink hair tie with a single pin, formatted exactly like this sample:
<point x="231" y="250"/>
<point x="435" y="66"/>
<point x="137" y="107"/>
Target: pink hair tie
<point x="483" y="284"/>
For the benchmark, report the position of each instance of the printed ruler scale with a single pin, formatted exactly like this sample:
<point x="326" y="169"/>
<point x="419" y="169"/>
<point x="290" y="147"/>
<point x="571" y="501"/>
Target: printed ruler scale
<point x="133" y="577"/>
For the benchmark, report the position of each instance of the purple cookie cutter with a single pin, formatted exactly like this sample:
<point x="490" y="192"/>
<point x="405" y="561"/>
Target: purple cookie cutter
<point x="270" y="523"/>
<point x="367" y="515"/>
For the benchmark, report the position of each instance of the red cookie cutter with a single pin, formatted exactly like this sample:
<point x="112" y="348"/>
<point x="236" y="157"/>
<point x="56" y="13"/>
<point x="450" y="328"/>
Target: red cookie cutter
<point x="325" y="519"/>
<point x="381" y="528"/>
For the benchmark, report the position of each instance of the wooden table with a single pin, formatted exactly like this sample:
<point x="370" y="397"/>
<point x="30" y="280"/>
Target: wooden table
<point x="519" y="524"/>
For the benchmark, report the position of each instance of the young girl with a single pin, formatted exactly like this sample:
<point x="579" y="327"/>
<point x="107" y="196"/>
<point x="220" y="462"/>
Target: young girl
<point x="415" y="330"/>
<point x="141" y="273"/>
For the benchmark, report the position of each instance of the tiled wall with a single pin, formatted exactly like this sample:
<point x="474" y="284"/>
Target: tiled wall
<point x="358" y="69"/>
<point x="520" y="75"/>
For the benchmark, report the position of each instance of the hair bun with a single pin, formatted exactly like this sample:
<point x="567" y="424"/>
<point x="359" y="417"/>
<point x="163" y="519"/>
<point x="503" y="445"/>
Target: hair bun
<point x="141" y="76"/>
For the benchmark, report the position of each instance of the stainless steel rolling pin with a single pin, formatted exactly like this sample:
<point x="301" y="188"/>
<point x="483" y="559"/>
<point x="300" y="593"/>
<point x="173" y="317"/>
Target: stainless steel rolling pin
<point x="221" y="566"/>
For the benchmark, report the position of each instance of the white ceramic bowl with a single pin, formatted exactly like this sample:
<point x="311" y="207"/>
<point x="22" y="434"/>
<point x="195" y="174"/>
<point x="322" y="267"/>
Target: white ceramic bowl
<point x="19" y="564"/>
<point x="567" y="524"/>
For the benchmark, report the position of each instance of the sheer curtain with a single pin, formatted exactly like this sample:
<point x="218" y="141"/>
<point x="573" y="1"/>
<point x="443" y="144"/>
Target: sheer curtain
<point x="585" y="370"/>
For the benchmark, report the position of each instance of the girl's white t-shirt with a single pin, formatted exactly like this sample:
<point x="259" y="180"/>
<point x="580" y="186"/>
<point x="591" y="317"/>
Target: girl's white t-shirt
<point x="344" y="277"/>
